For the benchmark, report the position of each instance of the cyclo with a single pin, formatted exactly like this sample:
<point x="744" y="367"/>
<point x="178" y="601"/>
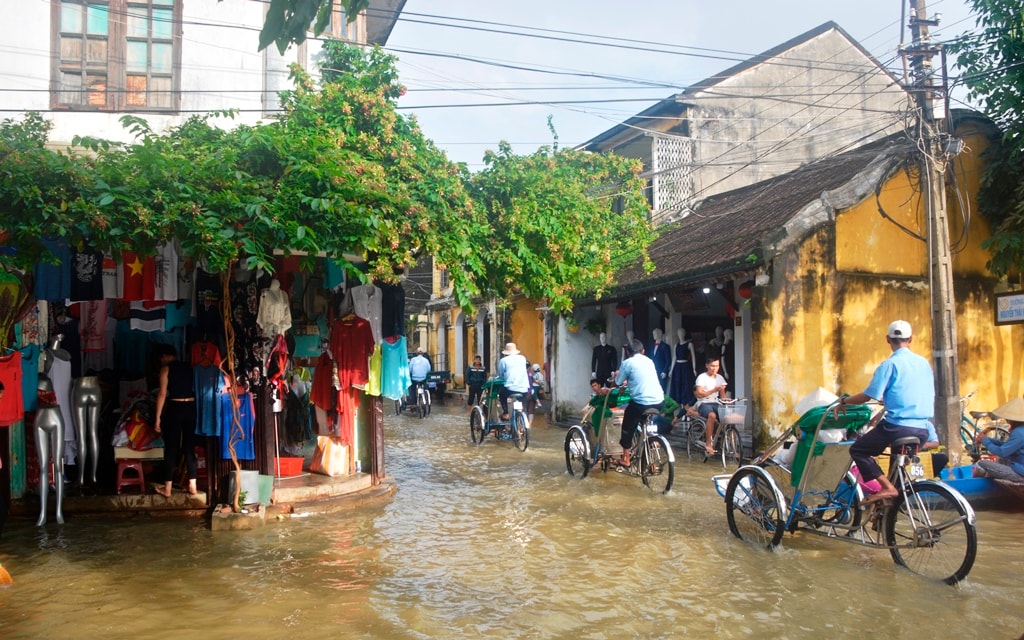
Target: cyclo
<point x="929" y="528"/>
<point x="595" y="443"/>
<point x="485" y="418"/>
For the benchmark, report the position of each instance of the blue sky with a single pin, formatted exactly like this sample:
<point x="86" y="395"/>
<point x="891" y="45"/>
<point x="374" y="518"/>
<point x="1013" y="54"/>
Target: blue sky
<point x="664" y="46"/>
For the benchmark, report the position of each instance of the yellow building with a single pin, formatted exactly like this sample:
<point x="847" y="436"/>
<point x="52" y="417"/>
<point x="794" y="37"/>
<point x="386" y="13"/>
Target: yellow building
<point x="809" y="268"/>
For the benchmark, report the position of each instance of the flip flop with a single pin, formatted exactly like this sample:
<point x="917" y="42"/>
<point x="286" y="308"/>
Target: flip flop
<point x="872" y="499"/>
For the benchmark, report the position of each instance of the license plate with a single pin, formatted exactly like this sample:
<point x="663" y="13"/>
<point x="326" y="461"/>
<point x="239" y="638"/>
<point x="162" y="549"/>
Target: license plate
<point x="917" y="471"/>
<point x="517" y="405"/>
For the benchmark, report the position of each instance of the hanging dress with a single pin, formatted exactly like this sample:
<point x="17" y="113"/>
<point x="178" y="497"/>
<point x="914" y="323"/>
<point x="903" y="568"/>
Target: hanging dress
<point x="395" y="378"/>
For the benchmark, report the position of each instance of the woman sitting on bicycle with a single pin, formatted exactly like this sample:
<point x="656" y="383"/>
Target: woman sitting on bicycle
<point x="1011" y="453"/>
<point x="710" y="387"/>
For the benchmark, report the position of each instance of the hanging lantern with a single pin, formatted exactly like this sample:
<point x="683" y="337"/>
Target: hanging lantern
<point x="624" y="309"/>
<point x="746" y="289"/>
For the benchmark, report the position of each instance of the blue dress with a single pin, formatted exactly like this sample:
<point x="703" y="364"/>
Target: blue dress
<point x="395" y="379"/>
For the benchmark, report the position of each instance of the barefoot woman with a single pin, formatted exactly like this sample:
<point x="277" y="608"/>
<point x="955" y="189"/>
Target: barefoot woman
<point x="176" y="418"/>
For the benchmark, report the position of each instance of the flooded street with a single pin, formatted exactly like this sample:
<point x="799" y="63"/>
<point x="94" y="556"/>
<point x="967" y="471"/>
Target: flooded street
<point x="487" y="541"/>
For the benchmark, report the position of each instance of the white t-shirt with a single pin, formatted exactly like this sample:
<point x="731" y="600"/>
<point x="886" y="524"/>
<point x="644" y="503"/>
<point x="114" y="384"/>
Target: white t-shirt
<point x="707" y="382"/>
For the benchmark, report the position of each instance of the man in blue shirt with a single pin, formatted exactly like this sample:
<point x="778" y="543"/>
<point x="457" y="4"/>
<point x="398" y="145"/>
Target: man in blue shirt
<point x="905" y="384"/>
<point x="512" y="368"/>
<point x="645" y="392"/>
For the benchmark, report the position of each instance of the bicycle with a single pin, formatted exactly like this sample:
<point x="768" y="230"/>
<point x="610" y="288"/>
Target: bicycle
<point x="651" y="457"/>
<point x="422" y="395"/>
<point x="928" y="527"/>
<point x="969" y="429"/>
<point x="516" y="428"/>
<point x="727" y="443"/>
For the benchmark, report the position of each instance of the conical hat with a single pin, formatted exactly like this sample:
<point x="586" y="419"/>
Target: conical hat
<point x="1012" y="410"/>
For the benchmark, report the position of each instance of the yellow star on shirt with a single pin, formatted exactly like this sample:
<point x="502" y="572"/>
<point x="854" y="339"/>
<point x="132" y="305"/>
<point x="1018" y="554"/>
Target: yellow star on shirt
<point x="136" y="267"/>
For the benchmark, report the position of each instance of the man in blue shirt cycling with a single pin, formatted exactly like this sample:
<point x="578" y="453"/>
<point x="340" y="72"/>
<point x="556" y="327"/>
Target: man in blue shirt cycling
<point x="905" y="384"/>
<point x="641" y="377"/>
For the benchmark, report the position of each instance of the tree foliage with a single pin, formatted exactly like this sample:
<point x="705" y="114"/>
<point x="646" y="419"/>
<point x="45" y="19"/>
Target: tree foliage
<point x="563" y="221"/>
<point x="289" y="21"/>
<point x="339" y="172"/>
<point x="992" y="61"/>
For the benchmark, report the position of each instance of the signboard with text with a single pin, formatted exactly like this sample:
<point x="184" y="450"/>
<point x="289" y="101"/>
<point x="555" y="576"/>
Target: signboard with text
<point x="1010" y="308"/>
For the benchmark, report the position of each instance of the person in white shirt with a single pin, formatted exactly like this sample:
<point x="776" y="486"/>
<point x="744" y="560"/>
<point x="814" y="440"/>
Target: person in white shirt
<point x="710" y="387"/>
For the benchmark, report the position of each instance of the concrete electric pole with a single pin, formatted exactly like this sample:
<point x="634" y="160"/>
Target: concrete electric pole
<point x="929" y="92"/>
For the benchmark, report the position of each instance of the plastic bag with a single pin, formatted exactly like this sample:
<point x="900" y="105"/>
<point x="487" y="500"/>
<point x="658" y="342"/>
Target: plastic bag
<point x="330" y="457"/>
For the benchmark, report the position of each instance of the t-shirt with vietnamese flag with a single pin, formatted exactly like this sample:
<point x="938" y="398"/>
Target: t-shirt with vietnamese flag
<point x="139" y="276"/>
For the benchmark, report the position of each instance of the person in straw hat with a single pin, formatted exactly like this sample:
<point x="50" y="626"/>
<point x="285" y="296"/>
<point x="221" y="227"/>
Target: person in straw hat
<point x="1011" y="453"/>
<point x="512" y="368"/>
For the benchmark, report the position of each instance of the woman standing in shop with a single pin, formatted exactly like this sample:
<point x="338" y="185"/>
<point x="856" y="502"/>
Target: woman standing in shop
<point x="176" y="418"/>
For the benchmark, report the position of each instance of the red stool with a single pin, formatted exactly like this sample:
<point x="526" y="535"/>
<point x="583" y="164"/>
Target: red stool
<point x="137" y="480"/>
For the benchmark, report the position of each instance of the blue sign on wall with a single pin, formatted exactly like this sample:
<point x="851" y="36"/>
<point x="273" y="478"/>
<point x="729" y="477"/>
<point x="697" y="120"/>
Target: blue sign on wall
<point x="1010" y="307"/>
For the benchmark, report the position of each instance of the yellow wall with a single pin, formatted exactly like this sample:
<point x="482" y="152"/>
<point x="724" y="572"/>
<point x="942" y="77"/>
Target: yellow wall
<point x="528" y="330"/>
<point x="822" y="320"/>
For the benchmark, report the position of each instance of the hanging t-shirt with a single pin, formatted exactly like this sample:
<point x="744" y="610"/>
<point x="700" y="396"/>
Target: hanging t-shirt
<point x="53" y="280"/>
<point x="165" y="284"/>
<point x="147" y="317"/>
<point x="113" y="278"/>
<point x="12" y="403"/>
<point x="92" y="325"/>
<point x="395" y="379"/>
<point x="208" y="382"/>
<point x="367" y="301"/>
<point x="178" y="314"/>
<point x="323" y="393"/>
<point x="373" y="384"/>
<point x="33" y="326"/>
<point x="87" y="275"/>
<point x="245" y="445"/>
<point x="30" y="376"/>
<point x="186" y="278"/>
<point x="139" y="276"/>
<point x="207" y="306"/>
<point x="392" y="313"/>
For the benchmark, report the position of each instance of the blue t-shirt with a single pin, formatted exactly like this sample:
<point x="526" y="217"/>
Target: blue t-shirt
<point x="639" y="373"/>
<point x="512" y="369"/>
<point x="1012" y="451"/>
<point x="906" y="386"/>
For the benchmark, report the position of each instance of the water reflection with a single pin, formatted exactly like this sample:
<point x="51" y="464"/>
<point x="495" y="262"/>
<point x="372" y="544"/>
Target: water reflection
<point x="487" y="541"/>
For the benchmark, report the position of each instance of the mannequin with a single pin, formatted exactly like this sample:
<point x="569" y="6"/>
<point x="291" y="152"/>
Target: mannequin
<point x="85" y="404"/>
<point x="275" y="314"/>
<point x="604" y="361"/>
<point x="57" y="367"/>
<point x="49" y="445"/>
<point x="660" y="353"/>
<point x="685" y="371"/>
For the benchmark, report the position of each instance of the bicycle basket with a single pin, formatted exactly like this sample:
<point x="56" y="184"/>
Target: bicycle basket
<point x="735" y="413"/>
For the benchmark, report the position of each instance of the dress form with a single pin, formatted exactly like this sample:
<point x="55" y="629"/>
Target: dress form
<point x="684" y="371"/>
<point x="604" y="360"/>
<point x="49" y="428"/>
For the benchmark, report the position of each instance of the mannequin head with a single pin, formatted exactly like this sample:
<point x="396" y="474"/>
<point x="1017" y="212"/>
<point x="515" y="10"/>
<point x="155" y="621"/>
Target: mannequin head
<point x="657" y="335"/>
<point x="603" y="338"/>
<point x="728" y="335"/>
<point x="275" y="285"/>
<point x="629" y="337"/>
<point x="681" y="333"/>
<point x="719" y="332"/>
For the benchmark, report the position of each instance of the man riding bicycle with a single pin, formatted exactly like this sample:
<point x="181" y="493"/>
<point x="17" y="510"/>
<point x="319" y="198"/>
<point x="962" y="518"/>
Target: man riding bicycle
<point x="419" y="369"/>
<point x="640" y="375"/>
<point x="513" y="370"/>
<point x="710" y="387"/>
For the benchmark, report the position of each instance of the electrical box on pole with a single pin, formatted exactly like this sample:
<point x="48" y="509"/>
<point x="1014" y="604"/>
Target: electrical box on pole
<point x="930" y="93"/>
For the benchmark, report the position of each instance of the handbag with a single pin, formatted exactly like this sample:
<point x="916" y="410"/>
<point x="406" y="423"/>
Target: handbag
<point x="330" y="457"/>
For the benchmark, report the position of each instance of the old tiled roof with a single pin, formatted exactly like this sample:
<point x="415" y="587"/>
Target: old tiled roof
<point x="734" y="232"/>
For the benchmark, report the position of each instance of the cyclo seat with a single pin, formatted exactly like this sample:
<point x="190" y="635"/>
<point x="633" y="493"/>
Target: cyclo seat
<point x="907" y="446"/>
<point x="515" y="395"/>
<point x="651" y="412"/>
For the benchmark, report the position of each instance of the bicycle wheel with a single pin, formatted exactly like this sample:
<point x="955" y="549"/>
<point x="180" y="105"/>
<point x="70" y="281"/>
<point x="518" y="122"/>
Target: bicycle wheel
<point x="577" y="463"/>
<point x="398" y="407"/>
<point x="695" y="449"/>
<point x="842" y="506"/>
<point x="476" y="425"/>
<point x="931" y="533"/>
<point x="426" y="401"/>
<point x="520" y="434"/>
<point x="731" y="447"/>
<point x="656" y="469"/>
<point x="753" y="509"/>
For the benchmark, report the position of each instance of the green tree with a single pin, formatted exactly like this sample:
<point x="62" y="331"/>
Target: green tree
<point x="288" y="21"/>
<point x="562" y="222"/>
<point x="992" y="61"/>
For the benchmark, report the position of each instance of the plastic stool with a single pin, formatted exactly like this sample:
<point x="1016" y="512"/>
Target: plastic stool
<point x="138" y="480"/>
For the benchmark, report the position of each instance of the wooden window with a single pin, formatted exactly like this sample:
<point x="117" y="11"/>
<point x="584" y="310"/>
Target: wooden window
<point x="116" y="54"/>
